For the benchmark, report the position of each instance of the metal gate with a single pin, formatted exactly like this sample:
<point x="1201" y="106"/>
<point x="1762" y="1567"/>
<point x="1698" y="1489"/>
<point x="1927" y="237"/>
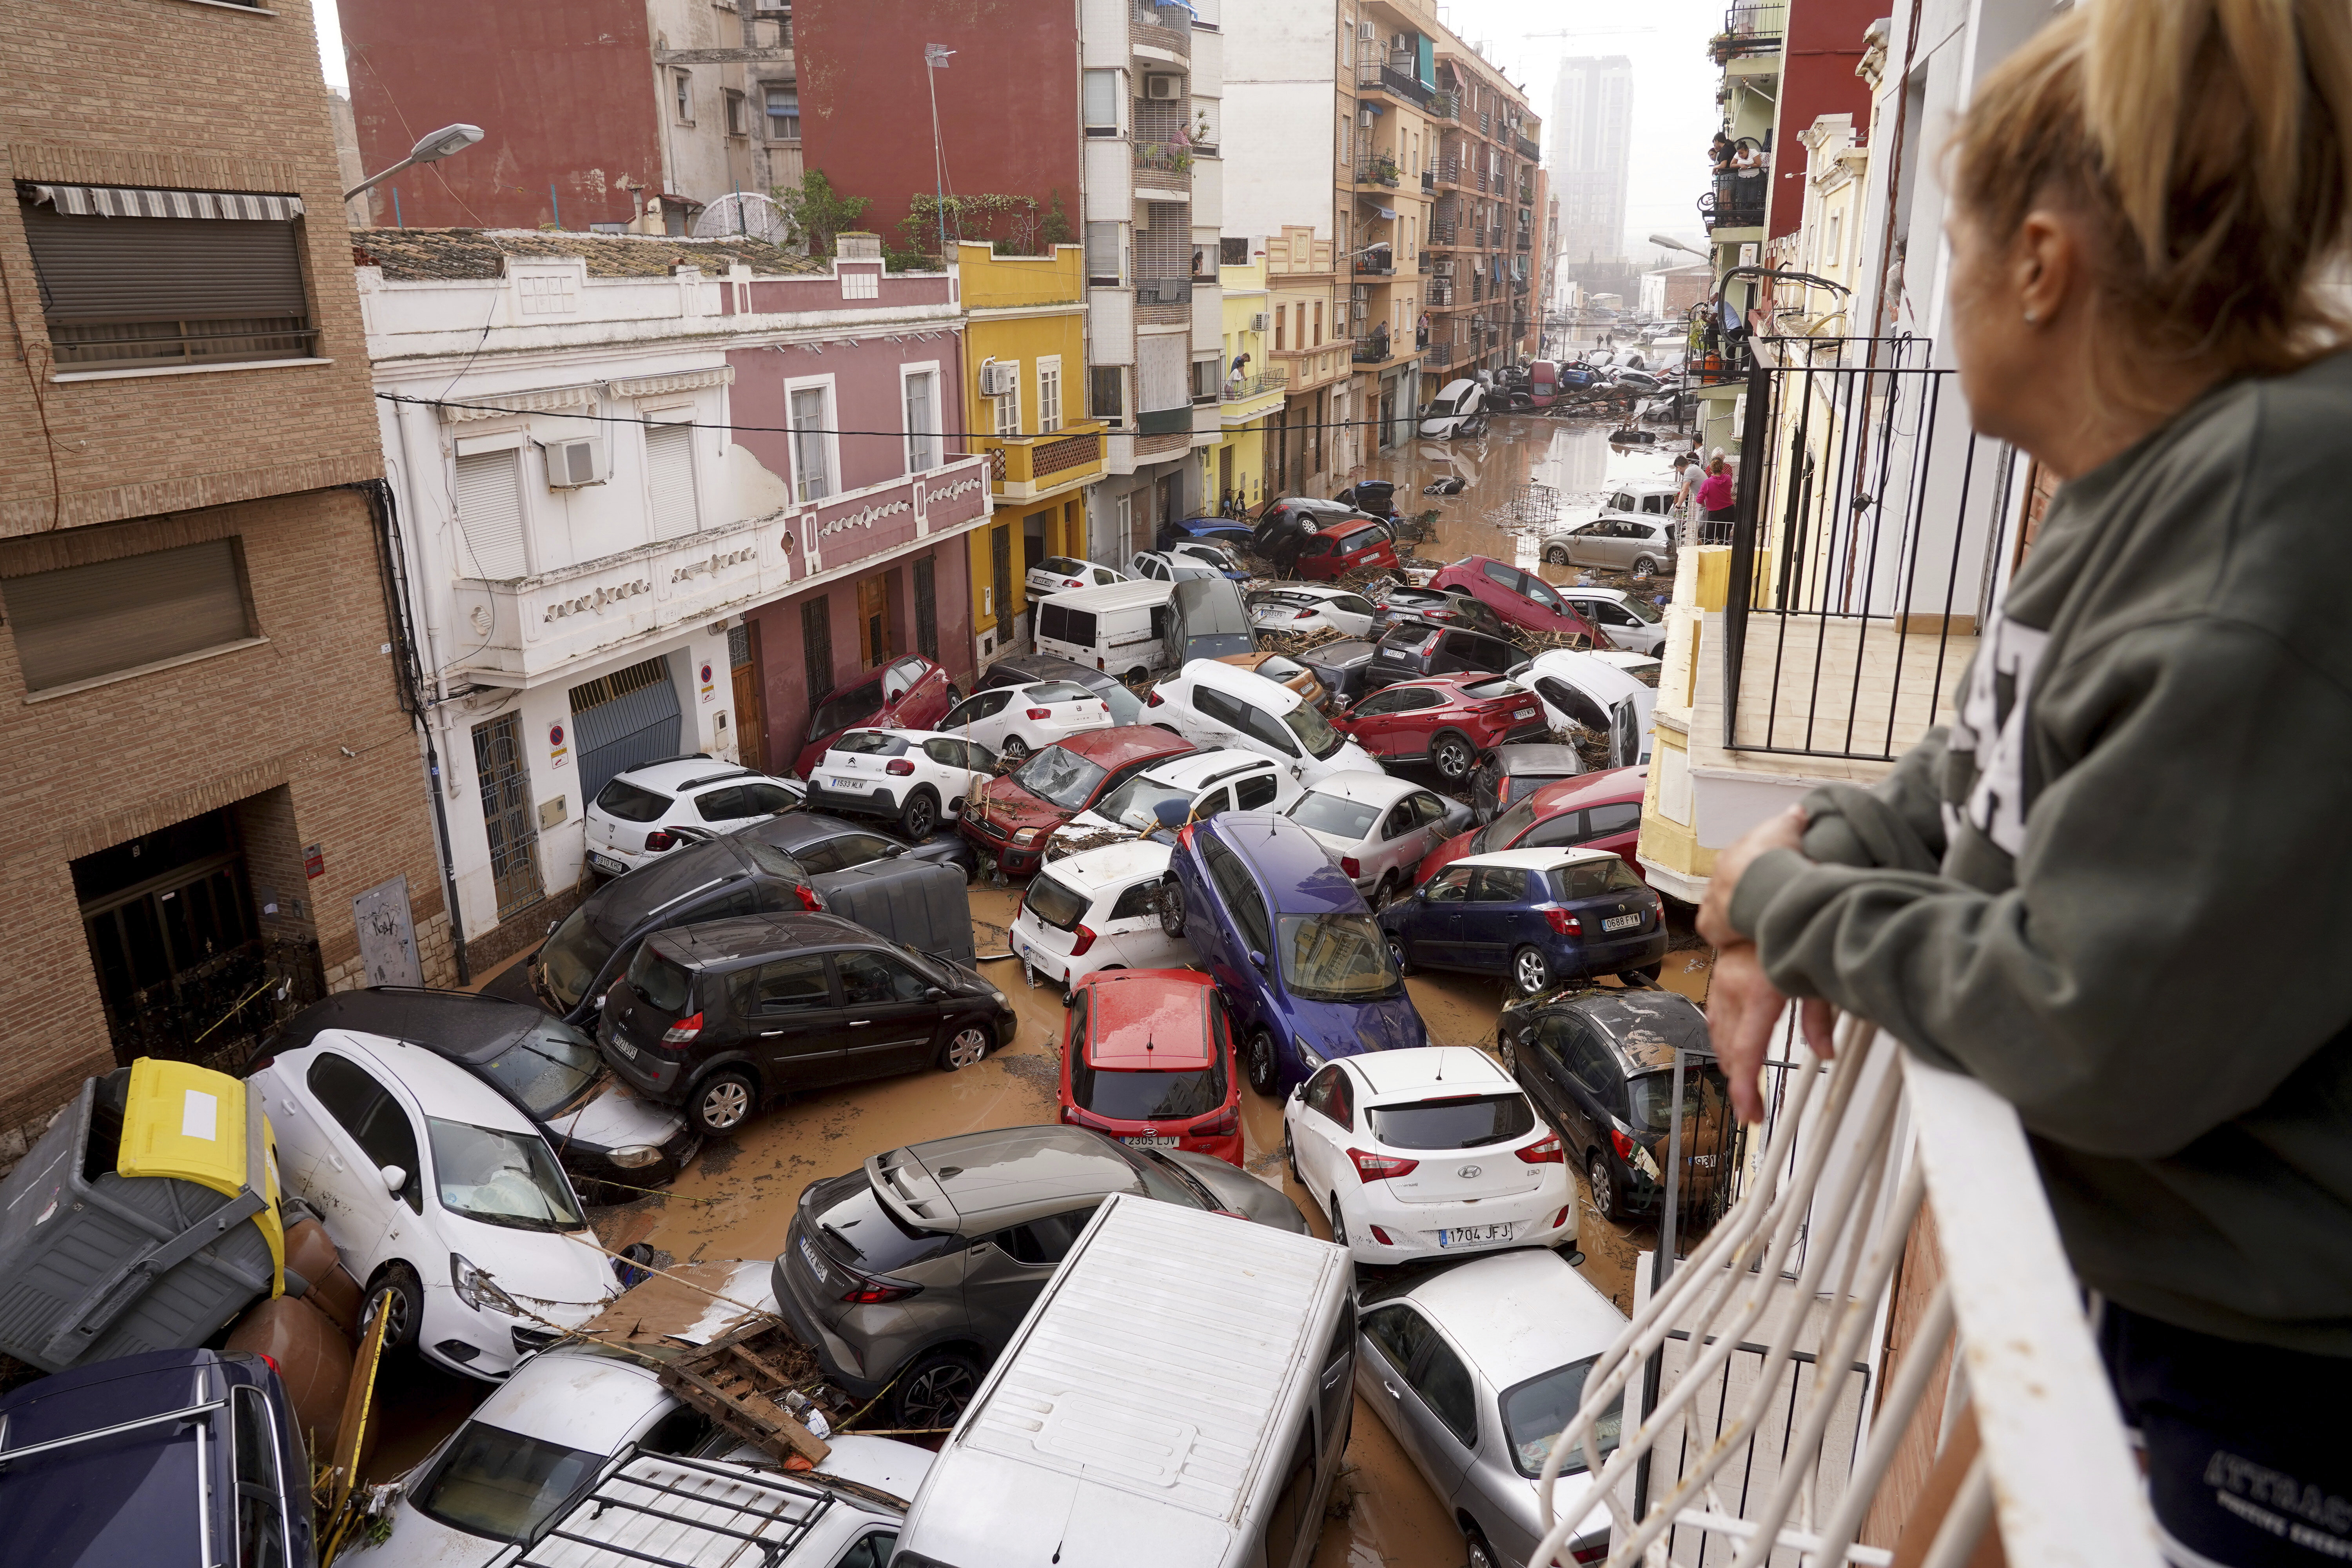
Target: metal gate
<point x="505" y="784"/>
<point x="621" y="720"/>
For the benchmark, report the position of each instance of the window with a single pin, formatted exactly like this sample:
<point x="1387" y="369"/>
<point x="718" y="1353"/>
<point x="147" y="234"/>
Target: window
<point x="1319" y="326"/>
<point x="1281" y="323"/>
<point x="1445" y="1385"/>
<point x="872" y="1551"/>
<point x="794" y="985"/>
<point x="1008" y="404"/>
<point x="1049" y="396"/>
<point x="112" y="618"/>
<point x="1256" y="793"/>
<point x="1107" y="400"/>
<point x="873" y="980"/>
<point x="1041" y="1243"/>
<point x="927" y="608"/>
<point x="260" y="1509"/>
<point x="1205" y="379"/>
<point x="682" y="90"/>
<point x="670" y="479"/>
<point x="1102" y="255"/>
<point x="784" y="112"/>
<point x="738" y="115"/>
<point x="375" y="1121"/>
<point x="816" y="647"/>
<point x="1400" y="1333"/>
<point x="1099" y="98"/>
<point x="504" y="776"/>
<point x="922" y="421"/>
<point x="1288" y="1518"/>
<point x="1233" y="252"/>
<point x="811" y="441"/>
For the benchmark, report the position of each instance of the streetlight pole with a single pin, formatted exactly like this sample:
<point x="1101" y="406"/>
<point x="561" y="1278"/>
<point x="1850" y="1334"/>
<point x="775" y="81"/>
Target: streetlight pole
<point x="442" y="143"/>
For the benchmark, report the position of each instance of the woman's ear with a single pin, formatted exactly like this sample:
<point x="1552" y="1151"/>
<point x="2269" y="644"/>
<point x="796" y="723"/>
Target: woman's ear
<point x="2042" y="262"/>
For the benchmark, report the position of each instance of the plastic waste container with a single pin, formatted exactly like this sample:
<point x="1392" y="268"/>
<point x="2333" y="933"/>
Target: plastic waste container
<point x="145" y="1218"/>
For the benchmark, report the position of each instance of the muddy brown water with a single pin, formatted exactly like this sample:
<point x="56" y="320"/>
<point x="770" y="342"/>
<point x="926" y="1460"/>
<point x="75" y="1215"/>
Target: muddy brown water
<point x="736" y="1201"/>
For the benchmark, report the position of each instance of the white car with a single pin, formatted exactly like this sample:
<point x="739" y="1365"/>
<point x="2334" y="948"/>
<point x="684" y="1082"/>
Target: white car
<point x="1095" y="910"/>
<point x="1425" y="1151"/>
<point x="440" y="1195"/>
<point x="1458" y="409"/>
<point x="1015" y="721"/>
<point x="1162" y="566"/>
<point x="1206" y="554"/>
<point x="1595" y="691"/>
<point x="1060" y="573"/>
<point x="920" y="778"/>
<point x="1377" y="827"/>
<point x="1630" y="620"/>
<point x="1198" y="783"/>
<point x="645" y="811"/>
<point x="1311" y="607"/>
<point x="1211" y="703"/>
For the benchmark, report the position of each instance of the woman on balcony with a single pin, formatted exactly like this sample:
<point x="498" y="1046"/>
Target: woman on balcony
<point x="2082" y="891"/>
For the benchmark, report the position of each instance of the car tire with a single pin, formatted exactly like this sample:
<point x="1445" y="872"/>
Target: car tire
<point x="396" y="1290"/>
<point x="1338" y="1223"/>
<point x="1557" y="554"/>
<point x="722" y="1103"/>
<point x="1015" y="750"/>
<point x="1476" y="1552"/>
<point x="1397" y="951"/>
<point x="1607" y="1202"/>
<point x="1172" y="910"/>
<point x="1290" y="1155"/>
<point x="1453" y="757"/>
<point x="1132" y="676"/>
<point x="921" y="816"/>
<point x="1264" y="1064"/>
<point x="934" y="1391"/>
<point x="1171" y="729"/>
<point x="1507" y="1049"/>
<point x="966" y="1047"/>
<point x="1383" y="889"/>
<point x="1649" y="972"/>
<point x="1645" y="570"/>
<point x="1530" y="971"/>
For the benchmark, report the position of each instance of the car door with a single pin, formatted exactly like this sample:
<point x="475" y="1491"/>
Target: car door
<point x="1374" y="724"/>
<point x="956" y="776"/>
<point x="924" y="693"/>
<point x="1216" y="719"/>
<point x="1428" y="830"/>
<point x="722" y="809"/>
<point x="1393" y="1381"/>
<point x="1003" y="1272"/>
<point x="1434" y="925"/>
<point x="1326" y="1119"/>
<point x="888" y="1024"/>
<point x="1248" y="930"/>
<point x="980" y="718"/>
<point x="795" y="1022"/>
<point x="1615" y="826"/>
<point x="1570" y="704"/>
<point x="1543" y="1073"/>
<point x="366" y="1129"/>
<point x="1560" y="828"/>
<point x="1398" y="841"/>
<point x="1591" y="1080"/>
<point x="1489" y="930"/>
<point x="1589" y="545"/>
<point x="1129" y="931"/>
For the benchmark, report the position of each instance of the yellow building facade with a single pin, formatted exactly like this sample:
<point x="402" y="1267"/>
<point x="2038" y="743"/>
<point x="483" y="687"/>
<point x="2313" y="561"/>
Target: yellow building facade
<point x="1250" y="389"/>
<point x="1025" y="392"/>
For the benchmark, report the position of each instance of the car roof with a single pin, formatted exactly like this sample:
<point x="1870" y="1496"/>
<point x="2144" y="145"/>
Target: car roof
<point x="1597" y="677"/>
<point x="1408" y="1074"/>
<point x="1372" y="789"/>
<point x="1590" y="789"/>
<point x="1550" y="859"/>
<point x="1196" y="770"/>
<point x="1537" y="757"/>
<point x="1645" y="1025"/>
<point x="1149" y="1019"/>
<point x="1298" y="876"/>
<point x="1519" y="1314"/>
<point x="792" y="829"/>
<point x="1451" y="387"/>
<point x="1109" y="595"/>
<point x="463" y="1025"/>
<point x="575" y="1398"/>
<point x="726" y="944"/>
<point x="440" y="1086"/>
<point x="1113" y="865"/>
<point x="1645" y="486"/>
<point x="1216" y="594"/>
<point x="1024" y="667"/>
<point x="1123" y="744"/>
<point x="1263" y="690"/>
<point x="979" y="1182"/>
<point x="679" y="774"/>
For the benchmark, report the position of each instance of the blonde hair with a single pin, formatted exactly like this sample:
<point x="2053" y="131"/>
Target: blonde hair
<point x="2207" y="144"/>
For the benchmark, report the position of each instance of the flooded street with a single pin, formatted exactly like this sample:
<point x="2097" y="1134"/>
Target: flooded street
<point x="736" y="1199"/>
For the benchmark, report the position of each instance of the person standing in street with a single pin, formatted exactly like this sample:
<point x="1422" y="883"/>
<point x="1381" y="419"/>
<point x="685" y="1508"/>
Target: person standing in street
<point x="2078" y="888"/>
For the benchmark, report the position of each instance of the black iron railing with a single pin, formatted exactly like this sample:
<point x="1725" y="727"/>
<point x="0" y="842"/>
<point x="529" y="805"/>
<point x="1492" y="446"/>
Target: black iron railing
<point x="1737" y="201"/>
<point x="1387" y="79"/>
<point x="1380" y="169"/>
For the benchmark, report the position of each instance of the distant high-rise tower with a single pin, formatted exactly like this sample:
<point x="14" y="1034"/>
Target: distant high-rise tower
<point x="1591" y="145"/>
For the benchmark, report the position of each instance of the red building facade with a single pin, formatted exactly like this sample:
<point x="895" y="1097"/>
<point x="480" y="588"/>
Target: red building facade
<point x="1822" y="45"/>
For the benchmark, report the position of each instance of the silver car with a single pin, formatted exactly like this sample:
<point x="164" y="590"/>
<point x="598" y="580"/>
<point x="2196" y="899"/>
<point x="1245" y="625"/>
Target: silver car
<point x="1475" y="1371"/>
<point x="1376" y="827"/>
<point x="1641" y="545"/>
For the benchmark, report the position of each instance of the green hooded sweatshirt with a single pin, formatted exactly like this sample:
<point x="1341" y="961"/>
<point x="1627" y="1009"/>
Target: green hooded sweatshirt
<point x="2117" y="887"/>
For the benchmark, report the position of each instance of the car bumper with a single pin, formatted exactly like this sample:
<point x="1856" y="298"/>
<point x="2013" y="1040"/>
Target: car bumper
<point x="590" y="1165"/>
<point x="832" y="1352"/>
<point x="613" y="862"/>
<point x="875" y="801"/>
<point x="1012" y="861"/>
<point x="448" y="1329"/>
<point x="655" y="1077"/>
<point x="1600" y="957"/>
<point x="1414" y="1230"/>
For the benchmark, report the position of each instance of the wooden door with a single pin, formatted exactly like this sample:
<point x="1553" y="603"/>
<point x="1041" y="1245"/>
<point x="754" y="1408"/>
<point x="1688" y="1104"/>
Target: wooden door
<point x="873" y="639"/>
<point x="750" y="703"/>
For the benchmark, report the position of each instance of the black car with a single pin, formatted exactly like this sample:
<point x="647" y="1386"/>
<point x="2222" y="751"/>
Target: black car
<point x="822" y="842"/>
<point x="1600" y="1065"/>
<point x="145" y="1456"/>
<point x="1031" y="669"/>
<point x="721" y="1018"/>
<point x="1418" y="649"/>
<point x="550" y="1070"/>
<point x="1376" y="498"/>
<point x="1511" y="773"/>
<point x="1435" y="607"/>
<point x="1289" y="521"/>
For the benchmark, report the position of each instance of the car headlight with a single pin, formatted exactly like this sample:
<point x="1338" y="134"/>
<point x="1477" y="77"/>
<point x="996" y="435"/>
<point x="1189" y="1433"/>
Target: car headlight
<point x="635" y="1156"/>
<point x="1028" y="836"/>
<point x="1308" y="1056"/>
<point x="477" y="1289"/>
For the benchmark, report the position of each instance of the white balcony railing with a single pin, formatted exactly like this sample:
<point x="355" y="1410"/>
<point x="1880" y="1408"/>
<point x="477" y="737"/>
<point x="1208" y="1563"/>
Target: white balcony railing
<point x="1751" y="1368"/>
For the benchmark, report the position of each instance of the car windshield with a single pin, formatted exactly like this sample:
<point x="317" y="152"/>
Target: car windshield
<point x="501" y="1484"/>
<point x="500" y="1178"/>
<point x="1137" y="802"/>
<point x="1335" y="958"/>
<point x="1314" y="730"/>
<point x="1641" y="609"/>
<point x="1056" y="905"/>
<point x="1488" y="690"/>
<point x="1537" y="1411"/>
<point x="1504" y="830"/>
<point x="870" y="743"/>
<point x="1335" y="815"/>
<point x="549" y="1069"/>
<point x="1061" y="777"/>
<point x="1465" y="1121"/>
<point x="1147" y="1096"/>
<point x="854" y="706"/>
<point x="1596" y="879"/>
<point x="631" y="802"/>
<point x="1126" y="707"/>
<point x="573" y="957"/>
<point x="1651" y="1095"/>
<point x="662" y="982"/>
<point x="1439" y="407"/>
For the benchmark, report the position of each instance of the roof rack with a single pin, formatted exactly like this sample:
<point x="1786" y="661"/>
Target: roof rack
<point x="673" y="1521"/>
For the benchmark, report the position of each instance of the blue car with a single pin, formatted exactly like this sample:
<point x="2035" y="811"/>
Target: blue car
<point x="1231" y="533"/>
<point x="1291" y="945"/>
<point x="1537" y="916"/>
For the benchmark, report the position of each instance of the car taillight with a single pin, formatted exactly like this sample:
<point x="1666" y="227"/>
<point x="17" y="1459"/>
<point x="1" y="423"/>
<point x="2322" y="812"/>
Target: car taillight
<point x="1544" y="1152"/>
<point x="1381" y="1237"/>
<point x="811" y="899"/>
<point x="1562" y="922"/>
<point x="1152" y="701"/>
<point x="1660" y="913"/>
<point x="1561" y="1217"/>
<point x="865" y="1292"/>
<point x="1224" y="1125"/>
<point x="1349" y="867"/>
<point x="1381" y="1167"/>
<point x="900" y="768"/>
<point x="682" y="1031"/>
<point x="270" y="1361"/>
<point x="1041" y="712"/>
<point x="660" y="839"/>
<point x="1623" y="1144"/>
<point x="1304" y="616"/>
<point x="1086" y="935"/>
<point x="1599" y="1553"/>
<point x="1072" y="583"/>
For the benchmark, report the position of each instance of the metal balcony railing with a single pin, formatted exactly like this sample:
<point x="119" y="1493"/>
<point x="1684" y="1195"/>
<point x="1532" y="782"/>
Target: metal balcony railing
<point x="1449" y="171"/>
<point x="1398" y="83"/>
<point x="1380" y="169"/>
<point x="1426" y="263"/>
<point x="1248" y="387"/>
<point x="1441" y="232"/>
<point x="1761" y="1422"/>
<point x="1376" y="264"/>
<point x="1168" y="27"/>
<point x="1445" y="105"/>
<point x="1755" y="30"/>
<point x="1374" y="349"/>
<point x="1441" y="293"/>
<point x="1164" y="158"/>
<point x="1528" y="150"/>
<point x="1737" y="201"/>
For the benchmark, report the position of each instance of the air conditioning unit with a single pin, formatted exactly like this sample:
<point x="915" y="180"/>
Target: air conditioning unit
<point x="1364" y="31"/>
<point x="1163" y="87"/>
<point x="1257" y="322"/>
<point x="571" y="464"/>
<point x="1364" y="118"/>
<point x="998" y="379"/>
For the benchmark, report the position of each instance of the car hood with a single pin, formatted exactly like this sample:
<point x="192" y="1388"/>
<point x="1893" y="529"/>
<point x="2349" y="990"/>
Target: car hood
<point x="553" y="1275"/>
<point x="1350" y="758"/>
<point x="1239" y="1191"/>
<point x="1350" y="1028"/>
<point x="1003" y="802"/>
<point x="418" y="1540"/>
<point x="1444" y="855"/>
<point x="613" y="1118"/>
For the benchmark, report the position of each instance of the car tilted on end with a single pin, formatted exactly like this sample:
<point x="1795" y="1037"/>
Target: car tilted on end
<point x="1012" y="816"/>
<point x="1536" y="916"/>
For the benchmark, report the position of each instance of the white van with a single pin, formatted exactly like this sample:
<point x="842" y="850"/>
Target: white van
<point x="1120" y="629"/>
<point x="1179" y="1394"/>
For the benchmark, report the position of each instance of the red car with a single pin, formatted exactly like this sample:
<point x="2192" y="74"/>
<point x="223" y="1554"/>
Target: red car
<point x="1012" y="816"/>
<point x="1519" y="598"/>
<point x="1451" y="721"/>
<point x="910" y="693"/>
<point x="1342" y="547"/>
<point x="1147" y="1058"/>
<point x="1592" y="810"/>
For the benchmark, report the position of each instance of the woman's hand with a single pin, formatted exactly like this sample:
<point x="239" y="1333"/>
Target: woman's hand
<point x="1786" y="831"/>
<point x="1742" y="1003"/>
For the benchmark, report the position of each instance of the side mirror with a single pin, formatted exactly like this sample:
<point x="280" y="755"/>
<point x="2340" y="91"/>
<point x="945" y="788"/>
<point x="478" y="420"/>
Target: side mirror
<point x="933" y="994"/>
<point x="394" y="1178"/>
<point x="894" y="851"/>
<point x="1257" y="961"/>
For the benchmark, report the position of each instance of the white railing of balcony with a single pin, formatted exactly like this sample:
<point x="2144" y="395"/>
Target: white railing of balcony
<point x="1738" y="1442"/>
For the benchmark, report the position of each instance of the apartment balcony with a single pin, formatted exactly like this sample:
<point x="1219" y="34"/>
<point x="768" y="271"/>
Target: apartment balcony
<point x="1428" y="183"/>
<point x="1738" y="200"/>
<point x="1426" y="263"/>
<point x="1448" y="173"/>
<point x="1380" y="170"/>
<point x="1442" y="234"/>
<point x="1439" y="293"/>
<point x="1437" y="356"/>
<point x="1376" y="264"/>
<point x="1025" y="468"/>
<point x="1166" y="29"/>
<point x="1446" y="106"/>
<point x="1163" y="172"/>
<point x="1750" y="30"/>
<point x="1163" y="300"/>
<point x="1398" y="84"/>
<point x="1528" y="150"/>
<point x="1252" y="397"/>
<point x="1523" y="240"/>
<point x="1306" y="369"/>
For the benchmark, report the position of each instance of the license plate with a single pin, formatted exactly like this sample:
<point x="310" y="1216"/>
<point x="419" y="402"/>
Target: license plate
<point x="1473" y="1234"/>
<point x="606" y="863"/>
<point x="1620" y="922"/>
<point x="625" y="1048"/>
<point x="1524" y="713"/>
<point x="816" y="1264"/>
<point x="846" y="784"/>
<point x="1159" y="1142"/>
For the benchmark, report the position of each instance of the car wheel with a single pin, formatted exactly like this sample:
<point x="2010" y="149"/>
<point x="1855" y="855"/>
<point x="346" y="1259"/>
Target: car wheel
<point x="1132" y="676"/>
<point x="1605" y="1201"/>
<point x="1507" y="1049"/>
<point x="1644" y="569"/>
<point x="1557" y="554"/>
<point x="401" y="1299"/>
<point x="921" y="816"/>
<point x="1338" y="1223"/>
<point x="1649" y="972"/>
<point x="1530" y="971"/>
<point x="934" y="1391"/>
<point x="1014" y="750"/>
<point x="1171" y="909"/>
<point x="964" y="1048"/>
<point x="1265" y="1065"/>
<point x="1384" y="890"/>
<point x="1397" y="953"/>
<point x="722" y="1103"/>
<point x="1476" y="1552"/>
<point x="1451" y="755"/>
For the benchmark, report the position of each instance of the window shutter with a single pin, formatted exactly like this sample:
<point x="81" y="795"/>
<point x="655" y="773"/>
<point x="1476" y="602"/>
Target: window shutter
<point x="1102" y="253"/>
<point x="81" y="621"/>
<point x="669" y="470"/>
<point x="157" y="269"/>
<point x="489" y="513"/>
<point x="1162" y="361"/>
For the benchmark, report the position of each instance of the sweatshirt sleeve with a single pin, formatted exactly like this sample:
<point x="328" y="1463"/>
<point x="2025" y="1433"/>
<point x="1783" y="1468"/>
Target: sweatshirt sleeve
<point x="2124" y="990"/>
<point x="1897" y="822"/>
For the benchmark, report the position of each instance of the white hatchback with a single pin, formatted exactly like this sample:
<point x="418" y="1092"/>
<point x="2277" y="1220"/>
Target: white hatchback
<point x="1198" y="783"/>
<point x="1014" y="720"/>
<point x="1428" y="1151"/>
<point x="645" y="811"/>
<point x="918" y="778"/>
<point x="1311" y="607"/>
<point x="1060" y="573"/>
<point x="1164" y="567"/>
<point x="1212" y="704"/>
<point x="1598" y="692"/>
<point x="1377" y="827"/>
<point x="1095" y="910"/>
<point x="1630" y="620"/>
<point x="440" y="1194"/>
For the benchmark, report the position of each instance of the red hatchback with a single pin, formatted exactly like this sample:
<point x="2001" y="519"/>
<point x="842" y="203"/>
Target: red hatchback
<point x="1520" y="597"/>
<point x="1450" y="721"/>
<point x="1342" y="547"/>
<point x="1012" y="816"/>
<point x="1592" y="810"/>
<point x="910" y="693"/>
<point x="1147" y="1058"/>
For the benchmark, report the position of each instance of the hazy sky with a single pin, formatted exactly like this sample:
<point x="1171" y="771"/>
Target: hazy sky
<point x="1673" y="85"/>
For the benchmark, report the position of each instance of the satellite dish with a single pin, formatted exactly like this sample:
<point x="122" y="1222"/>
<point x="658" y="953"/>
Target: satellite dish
<point x="744" y="215"/>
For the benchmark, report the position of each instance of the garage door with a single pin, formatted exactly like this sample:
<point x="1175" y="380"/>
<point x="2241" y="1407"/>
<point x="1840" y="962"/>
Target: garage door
<point x="621" y="720"/>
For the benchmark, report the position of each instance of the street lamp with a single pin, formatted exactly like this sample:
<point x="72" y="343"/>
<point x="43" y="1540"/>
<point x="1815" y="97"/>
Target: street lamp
<point x="1671" y="243"/>
<point x="440" y="144"/>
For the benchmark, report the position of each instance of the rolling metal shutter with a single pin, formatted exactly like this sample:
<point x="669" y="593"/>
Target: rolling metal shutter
<point x="489" y="513"/>
<point x="669" y="473"/>
<point x="81" y="621"/>
<point x="163" y="268"/>
<point x="623" y="721"/>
